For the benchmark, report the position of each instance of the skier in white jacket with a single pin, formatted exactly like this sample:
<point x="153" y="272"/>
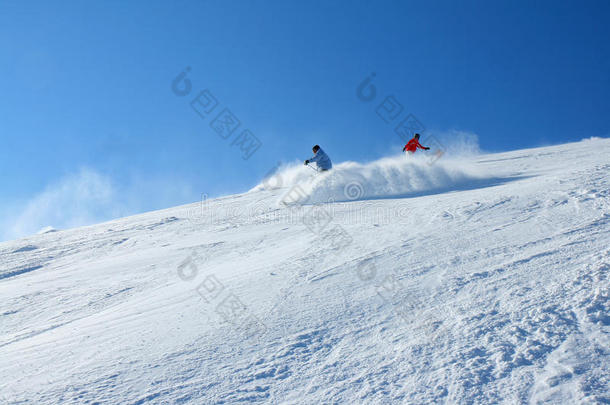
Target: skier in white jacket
<point x="320" y="158"/>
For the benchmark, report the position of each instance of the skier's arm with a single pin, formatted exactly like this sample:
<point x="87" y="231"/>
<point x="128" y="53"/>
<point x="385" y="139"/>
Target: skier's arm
<point x="315" y="157"/>
<point x="420" y="146"/>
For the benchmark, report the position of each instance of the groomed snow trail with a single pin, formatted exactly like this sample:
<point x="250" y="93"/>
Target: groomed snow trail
<point x="488" y="283"/>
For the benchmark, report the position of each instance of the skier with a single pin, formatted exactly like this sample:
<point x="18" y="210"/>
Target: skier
<point x="413" y="144"/>
<point x="320" y="158"/>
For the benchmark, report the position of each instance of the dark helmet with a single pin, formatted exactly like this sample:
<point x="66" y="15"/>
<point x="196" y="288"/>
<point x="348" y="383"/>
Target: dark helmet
<point x="315" y="148"/>
<point x="416" y="136"/>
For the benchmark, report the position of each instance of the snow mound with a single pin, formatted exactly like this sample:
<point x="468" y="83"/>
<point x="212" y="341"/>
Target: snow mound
<point x="390" y="177"/>
<point x="46" y="229"/>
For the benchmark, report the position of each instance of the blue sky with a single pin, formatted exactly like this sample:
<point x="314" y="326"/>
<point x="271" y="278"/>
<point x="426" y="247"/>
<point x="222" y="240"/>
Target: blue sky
<point x="90" y="128"/>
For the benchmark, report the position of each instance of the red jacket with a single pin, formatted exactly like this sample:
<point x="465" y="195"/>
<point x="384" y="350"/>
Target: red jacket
<point x="412" y="145"/>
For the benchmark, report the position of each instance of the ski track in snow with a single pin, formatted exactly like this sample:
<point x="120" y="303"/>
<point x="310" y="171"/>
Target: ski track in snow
<point x="477" y="281"/>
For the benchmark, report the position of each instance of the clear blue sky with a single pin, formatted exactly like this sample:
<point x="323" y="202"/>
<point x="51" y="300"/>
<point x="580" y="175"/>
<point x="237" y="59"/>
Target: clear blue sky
<point x="87" y="86"/>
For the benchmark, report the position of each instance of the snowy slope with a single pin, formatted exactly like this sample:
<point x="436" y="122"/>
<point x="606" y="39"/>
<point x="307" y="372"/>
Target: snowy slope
<point x="478" y="280"/>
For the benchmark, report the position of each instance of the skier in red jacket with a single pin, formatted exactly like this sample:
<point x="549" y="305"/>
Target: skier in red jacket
<point x="413" y="144"/>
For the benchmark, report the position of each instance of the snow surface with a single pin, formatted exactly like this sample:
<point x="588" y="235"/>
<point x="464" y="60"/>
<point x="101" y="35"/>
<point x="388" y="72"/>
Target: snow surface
<point x="474" y="280"/>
